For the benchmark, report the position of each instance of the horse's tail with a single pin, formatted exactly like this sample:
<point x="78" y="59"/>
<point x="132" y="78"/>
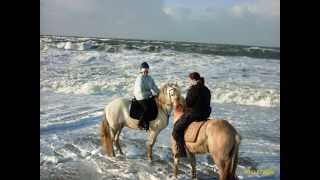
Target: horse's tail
<point x="234" y="156"/>
<point x="106" y="140"/>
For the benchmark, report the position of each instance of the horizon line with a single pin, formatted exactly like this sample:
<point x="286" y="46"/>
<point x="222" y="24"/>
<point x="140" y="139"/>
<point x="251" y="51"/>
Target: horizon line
<point x="78" y="36"/>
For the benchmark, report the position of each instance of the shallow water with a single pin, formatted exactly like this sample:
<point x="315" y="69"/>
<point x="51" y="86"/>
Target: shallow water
<point x="75" y="85"/>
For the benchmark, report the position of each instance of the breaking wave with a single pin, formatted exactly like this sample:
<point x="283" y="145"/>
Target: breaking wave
<point x="238" y="95"/>
<point x="117" y="45"/>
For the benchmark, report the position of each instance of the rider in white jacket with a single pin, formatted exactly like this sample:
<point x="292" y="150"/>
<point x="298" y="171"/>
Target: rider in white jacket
<point x="144" y="85"/>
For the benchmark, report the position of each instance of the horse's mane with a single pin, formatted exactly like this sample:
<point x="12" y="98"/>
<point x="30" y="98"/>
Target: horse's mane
<point x="181" y="105"/>
<point x="162" y="96"/>
<point x="180" y="108"/>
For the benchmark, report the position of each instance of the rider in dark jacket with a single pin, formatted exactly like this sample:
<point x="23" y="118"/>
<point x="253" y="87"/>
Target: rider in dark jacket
<point x="198" y="109"/>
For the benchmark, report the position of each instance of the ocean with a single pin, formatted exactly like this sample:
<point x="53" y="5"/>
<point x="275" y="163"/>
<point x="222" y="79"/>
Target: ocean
<point x="80" y="76"/>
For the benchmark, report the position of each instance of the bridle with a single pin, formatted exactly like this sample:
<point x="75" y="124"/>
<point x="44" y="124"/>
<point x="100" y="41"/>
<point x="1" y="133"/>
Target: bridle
<point x="171" y="92"/>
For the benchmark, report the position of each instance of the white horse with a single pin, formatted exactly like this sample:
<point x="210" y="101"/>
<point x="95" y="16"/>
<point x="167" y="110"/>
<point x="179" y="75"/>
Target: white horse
<point x="116" y="116"/>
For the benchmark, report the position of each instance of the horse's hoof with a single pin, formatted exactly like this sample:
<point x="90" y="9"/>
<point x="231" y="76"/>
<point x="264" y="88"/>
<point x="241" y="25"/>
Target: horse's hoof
<point x="175" y="173"/>
<point x="111" y="156"/>
<point x="171" y="176"/>
<point x="149" y="156"/>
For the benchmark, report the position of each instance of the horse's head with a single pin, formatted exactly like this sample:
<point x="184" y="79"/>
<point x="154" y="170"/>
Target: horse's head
<point x="170" y="94"/>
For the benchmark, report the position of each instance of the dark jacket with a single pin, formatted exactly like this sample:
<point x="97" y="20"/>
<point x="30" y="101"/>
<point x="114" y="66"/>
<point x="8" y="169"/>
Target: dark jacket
<point x="198" y="101"/>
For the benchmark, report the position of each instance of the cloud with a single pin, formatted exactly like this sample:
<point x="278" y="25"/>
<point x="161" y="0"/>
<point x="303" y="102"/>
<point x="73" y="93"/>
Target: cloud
<point x="177" y="13"/>
<point x="244" y="22"/>
<point x="254" y="22"/>
<point x="262" y="8"/>
<point x="114" y="18"/>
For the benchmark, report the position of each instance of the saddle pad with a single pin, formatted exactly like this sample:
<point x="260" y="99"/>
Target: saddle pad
<point x="192" y="131"/>
<point x="136" y="110"/>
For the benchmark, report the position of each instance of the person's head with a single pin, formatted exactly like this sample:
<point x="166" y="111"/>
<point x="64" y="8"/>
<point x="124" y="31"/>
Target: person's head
<point x="144" y="68"/>
<point x="194" y="78"/>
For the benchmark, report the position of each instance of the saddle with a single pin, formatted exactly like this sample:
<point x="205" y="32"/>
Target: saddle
<point x="192" y="131"/>
<point x="136" y="109"/>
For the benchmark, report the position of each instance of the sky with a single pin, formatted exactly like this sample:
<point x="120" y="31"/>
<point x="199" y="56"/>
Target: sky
<point x="246" y="22"/>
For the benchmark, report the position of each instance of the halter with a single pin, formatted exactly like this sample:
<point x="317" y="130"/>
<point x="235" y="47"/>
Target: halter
<point x="171" y="92"/>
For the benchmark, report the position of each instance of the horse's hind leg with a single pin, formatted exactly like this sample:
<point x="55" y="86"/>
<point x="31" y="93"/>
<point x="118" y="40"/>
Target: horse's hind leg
<point x="223" y="168"/>
<point x="151" y="140"/>
<point x="192" y="160"/>
<point x="175" y="165"/>
<point x="113" y="134"/>
<point x="117" y="139"/>
<point x="224" y="163"/>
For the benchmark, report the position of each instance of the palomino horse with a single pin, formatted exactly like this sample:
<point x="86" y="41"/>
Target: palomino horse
<point x="217" y="137"/>
<point x="116" y="116"/>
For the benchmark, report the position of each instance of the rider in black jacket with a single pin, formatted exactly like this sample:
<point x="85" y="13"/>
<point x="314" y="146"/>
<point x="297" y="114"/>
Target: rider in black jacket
<point x="198" y="109"/>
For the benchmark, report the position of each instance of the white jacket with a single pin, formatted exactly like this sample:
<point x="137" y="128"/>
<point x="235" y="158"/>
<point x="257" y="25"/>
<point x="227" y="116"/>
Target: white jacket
<point x="143" y="86"/>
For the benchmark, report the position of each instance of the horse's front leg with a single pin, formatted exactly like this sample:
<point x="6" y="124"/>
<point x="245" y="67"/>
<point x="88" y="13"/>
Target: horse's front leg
<point x="192" y="160"/>
<point x="151" y="140"/>
<point x="175" y="165"/>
